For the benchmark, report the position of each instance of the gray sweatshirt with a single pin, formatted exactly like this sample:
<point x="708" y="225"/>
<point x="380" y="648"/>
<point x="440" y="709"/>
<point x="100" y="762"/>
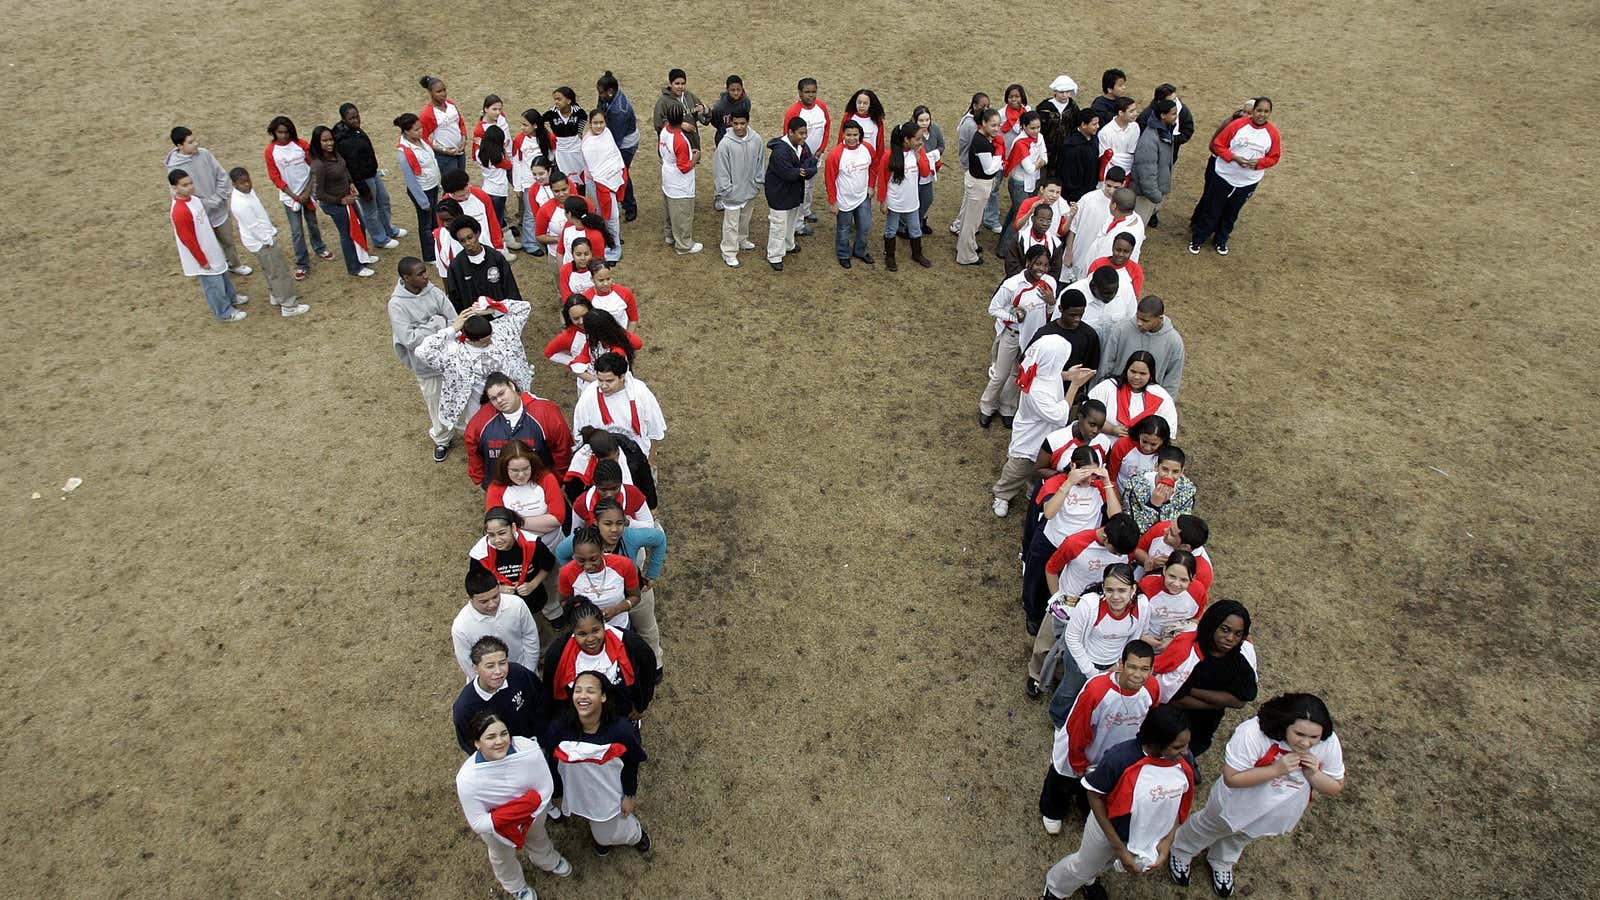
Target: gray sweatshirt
<point x="211" y="182"/>
<point x="1166" y="345"/>
<point x="412" y="317"/>
<point x="741" y="166"/>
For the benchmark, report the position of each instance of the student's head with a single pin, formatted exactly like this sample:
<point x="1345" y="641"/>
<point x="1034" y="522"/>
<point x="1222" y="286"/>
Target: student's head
<point x="1081" y="458"/>
<point x="1115" y="176"/>
<point x="923" y="116"/>
<point x="608" y="476"/>
<point x="852" y="133"/>
<point x="1223" y="627"/>
<point x="477" y="330"/>
<point x="1036" y="262"/>
<point x="1133" y="670"/>
<point x="1049" y="191"/>
<point x="519" y="465"/>
<point x="490" y="735"/>
<point x="240" y="177"/>
<point x="410" y="126"/>
<point x="1089" y="122"/>
<point x="483" y="590"/>
<point x="1031" y="123"/>
<point x="674" y="116"/>
<point x="454" y="183"/>
<point x="1122" y="200"/>
<point x="1300" y="720"/>
<point x="589" y="549"/>
<point x="501" y="392"/>
<point x="1122" y="534"/>
<point x="796" y="128"/>
<point x="1127" y="110"/>
<point x="739" y="123"/>
<point x="606" y="85"/>
<point x="184" y="140"/>
<point x="564" y="97"/>
<point x="980" y="102"/>
<point x="602" y="443"/>
<point x="574" y="308"/>
<point x="322" y="143"/>
<point x="1016" y="96"/>
<point x="490" y="660"/>
<point x="500" y="526"/>
<point x="1164" y="733"/>
<point x="539" y="166"/>
<point x="1170" y="462"/>
<point x="1104" y="283"/>
<point x="1041" y="217"/>
<point x="447" y="212"/>
<point x="281" y="129"/>
<point x="582" y="253"/>
<point x="560" y="186"/>
<point x="588" y="622"/>
<point x="1166" y="111"/>
<point x="602" y="328"/>
<point x="735" y="87"/>
<point x="592" y="696"/>
<point x="597" y="122"/>
<point x="437" y="92"/>
<point x="610" y="518"/>
<point x="1261" y="110"/>
<point x="1138" y="370"/>
<point x="1192" y="532"/>
<point x="413" y="273"/>
<point x="865" y="103"/>
<point x="1150" y="434"/>
<point x="1165" y="91"/>
<point x="1118" y="587"/>
<point x="1122" y="247"/>
<point x="611" y="369"/>
<point x="1113" y="83"/>
<point x="529" y="124"/>
<point x="493" y="107"/>
<point x="989" y="122"/>
<point x="807" y="89"/>
<point x="907" y="136"/>
<point x="1178" y="573"/>
<point x="465" y="230"/>
<point x="350" y="115"/>
<point x="182" y="185"/>
<point x="1091" y="417"/>
<point x="677" y="81"/>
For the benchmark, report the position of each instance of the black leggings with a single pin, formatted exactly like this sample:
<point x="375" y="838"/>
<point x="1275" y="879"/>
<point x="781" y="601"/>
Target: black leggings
<point x="1059" y="794"/>
<point x="425" y="222"/>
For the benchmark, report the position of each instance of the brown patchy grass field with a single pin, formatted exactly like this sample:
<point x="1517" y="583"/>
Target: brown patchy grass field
<point x="226" y="662"/>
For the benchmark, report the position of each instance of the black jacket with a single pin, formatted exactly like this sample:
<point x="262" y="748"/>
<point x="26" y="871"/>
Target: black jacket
<point x="521" y="704"/>
<point x="356" y="148"/>
<point x="787" y="173"/>
<point x="1079" y="165"/>
<point x="492" y="278"/>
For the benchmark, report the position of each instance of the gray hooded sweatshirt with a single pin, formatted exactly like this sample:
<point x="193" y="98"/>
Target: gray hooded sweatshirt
<point x="740" y="167"/>
<point x="211" y="182"/>
<point x="412" y="317"/>
<point x="1166" y="345"/>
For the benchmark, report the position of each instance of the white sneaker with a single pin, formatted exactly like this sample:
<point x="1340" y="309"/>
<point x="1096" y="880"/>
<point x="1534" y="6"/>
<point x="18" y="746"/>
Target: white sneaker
<point x="746" y="245"/>
<point x="240" y="300"/>
<point x="1051" y="826"/>
<point x="400" y="232"/>
<point x="299" y="309"/>
<point x="365" y="273"/>
<point x="242" y="270"/>
<point x="366" y="258"/>
<point x="563" y="869"/>
<point x="1001" y="506"/>
<point x="274" y="300"/>
<point x="390" y="244"/>
<point x="955" y="227"/>
<point x="527" y="893"/>
<point x="732" y="261"/>
<point x="694" y="249"/>
<point x="235" y="316"/>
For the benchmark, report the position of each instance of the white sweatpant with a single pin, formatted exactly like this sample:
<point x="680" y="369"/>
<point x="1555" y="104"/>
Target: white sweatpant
<point x="781" y="224"/>
<point x="438" y="429"/>
<point x="1206" y="830"/>
<point x="503" y="856"/>
<point x="1095" y="855"/>
<point x="617" y="831"/>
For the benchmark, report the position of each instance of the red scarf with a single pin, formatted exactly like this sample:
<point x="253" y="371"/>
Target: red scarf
<point x="513" y="818"/>
<point x="527" y="561"/>
<point x="567" y="668"/>
<point x="357" y="234"/>
<point x="605" y="414"/>
<point x="1025" y="376"/>
<point x="1125" y="396"/>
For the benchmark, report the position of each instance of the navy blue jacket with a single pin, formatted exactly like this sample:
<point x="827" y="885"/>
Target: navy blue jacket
<point x="521" y="703"/>
<point x="787" y="173"/>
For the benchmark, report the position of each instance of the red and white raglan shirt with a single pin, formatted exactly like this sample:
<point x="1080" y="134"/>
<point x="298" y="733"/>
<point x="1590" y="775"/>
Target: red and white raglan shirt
<point x="631" y="411"/>
<point x="1132" y="224"/>
<point x="1145" y="795"/>
<point x="618" y="301"/>
<point x="1080" y="510"/>
<point x="445" y="248"/>
<point x="849" y="175"/>
<point x="1243" y="137"/>
<point x="198" y="248"/>
<point x="1175" y="664"/>
<point x="1061" y="442"/>
<point x="1061" y="215"/>
<point x="289" y="167"/>
<point x="1034" y="298"/>
<point x="572" y="281"/>
<point x="596" y="769"/>
<point x="1117" y="143"/>
<point x="1095" y="635"/>
<point x="524" y="149"/>
<point x="1272" y="807"/>
<point x="871" y="133"/>
<point x="482" y="126"/>
<point x="1102" y="717"/>
<point x="539" y="498"/>
<point x="1128" y="407"/>
<point x="1128" y="461"/>
<point x="677" y="164"/>
<point x="631" y="498"/>
<point x="480" y="207"/>
<point x="1079" y="561"/>
<point x="903" y="196"/>
<point x="1025" y="157"/>
<point x="570" y="232"/>
<point x="502" y="798"/>
<point x="817" y="124"/>
<point x="517" y="565"/>
<point x="581" y="469"/>
<point x="1168" y="610"/>
<point x="1157" y="546"/>
<point x="497" y="177"/>
<point x="1133" y="270"/>
<point x="574" y="349"/>
<point x="607" y="587"/>
<point x="444" y="128"/>
<point x="1011" y="129"/>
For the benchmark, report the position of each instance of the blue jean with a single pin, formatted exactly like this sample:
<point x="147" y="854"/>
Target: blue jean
<point x="425" y="222"/>
<point x="341" y="220"/>
<point x="1066" y="693"/>
<point x="303" y="222"/>
<point x="925" y="196"/>
<point x="219" y="294"/>
<point x="448" y="163"/>
<point x="991" y="210"/>
<point x="894" y="221"/>
<point x="526" y="233"/>
<point x="628" y="203"/>
<point x="1008" y="230"/>
<point x="1218" y="209"/>
<point x="861" y="219"/>
<point x="375" y="212"/>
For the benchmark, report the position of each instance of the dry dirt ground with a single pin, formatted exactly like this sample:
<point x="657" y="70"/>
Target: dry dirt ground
<point x="226" y="666"/>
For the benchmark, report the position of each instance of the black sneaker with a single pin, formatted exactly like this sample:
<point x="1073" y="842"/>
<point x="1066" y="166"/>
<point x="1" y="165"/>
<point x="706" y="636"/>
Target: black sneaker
<point x="1006" y="421"/>
<point x="628" y="215"/>
<point x="985" y="419"/>
<point x="644" y="841"/>
<point x="792" y="250"/>
<point x="661" y="674"/>
<point x="1179" y="871"/>
<point x="1032" y="688"/>
<point x="1155" y="220"/>
<point x="600" y="849"/>
<point x="1222" y="883"/>
<point x="776" y="266"/>
<point x="1033" y="626"/>
<point x="811" y="217"/>
<point x="559" y="623"/>
<point x="1222" y="249"/>
<point x="440" y="451"/>
<point x="1095" y="891"/>
<point x="1194" y="249"/>
<point x="844" y="262"/>
<point x="867" y="258"/>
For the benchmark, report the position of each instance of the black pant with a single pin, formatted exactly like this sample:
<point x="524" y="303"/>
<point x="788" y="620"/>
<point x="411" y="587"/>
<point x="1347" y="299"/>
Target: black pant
<point x="1218" y="209"/>
<point x="629" y="202"/>
<point x="1060" y="792"/>
<point x="425" y="222"/>
<point x="1035" y="590"/>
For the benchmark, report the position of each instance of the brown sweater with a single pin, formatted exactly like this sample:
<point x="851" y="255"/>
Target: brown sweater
<point x="330" y="180"/>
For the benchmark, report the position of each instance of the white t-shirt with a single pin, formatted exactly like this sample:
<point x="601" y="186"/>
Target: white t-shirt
<point x="1272" y="807"/>
<point x="855" y="169"/>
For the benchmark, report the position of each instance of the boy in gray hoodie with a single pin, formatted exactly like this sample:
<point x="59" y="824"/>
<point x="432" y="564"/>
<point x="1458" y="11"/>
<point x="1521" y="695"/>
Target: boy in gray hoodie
<point x="739" y="169"/>
<point x="677" y="93"/>
<point x="211" y="185"/>
<point x="1151" y="330"/>
<point x="417" y="309"/>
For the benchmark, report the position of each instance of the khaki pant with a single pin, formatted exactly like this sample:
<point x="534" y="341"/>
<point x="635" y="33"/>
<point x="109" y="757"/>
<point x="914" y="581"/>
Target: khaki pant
<point x="438" y="429"/>
<point x="1206" y="830"/>
<point x="228" y="236"/>
<point x="678" y="226"/>
<point x="1042" y="642"/>
<point x="1001" y="393"/>
<point x="736" y="228"/>
<point x="503" y="856"/>
<point x="618" y="831"/>
<point x="643" y="621"/>
<point x="280" y="281"/>
<point x="781" y="224"/>
<point x="805" y="202"/>
<point x="1146" y="207"/>
<point x="1014" y="477"/>
<point x="975" y="193"/>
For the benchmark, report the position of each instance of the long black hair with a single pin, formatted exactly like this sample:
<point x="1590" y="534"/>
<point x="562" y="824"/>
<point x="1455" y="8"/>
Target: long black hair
<point x="316" y="144"/>
<point x="610" y="707"/>
<point x="897" y="154"/>
<point x="874" y="106"/>
<point x="602" y="328"/>
<point x="491" y="147"/>
<point x="577" y="209"/>
<point x="1212" y="618"/>
<point x="286" y="122"/>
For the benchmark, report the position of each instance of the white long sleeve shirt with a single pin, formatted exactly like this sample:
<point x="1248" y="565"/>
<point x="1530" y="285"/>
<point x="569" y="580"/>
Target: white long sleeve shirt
<point x="1095" y="637"/>
<point x="1017" y="293"/>
<point x="255" y="229"/>
<point x="512" y="623"/>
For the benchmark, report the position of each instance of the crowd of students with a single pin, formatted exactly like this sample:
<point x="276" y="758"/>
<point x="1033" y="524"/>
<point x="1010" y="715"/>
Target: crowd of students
<point x="558" y="639"/>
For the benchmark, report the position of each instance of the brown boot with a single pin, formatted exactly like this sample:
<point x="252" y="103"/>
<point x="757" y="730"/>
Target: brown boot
<point x="916" y="254"/>
<point x="888" y="255"/>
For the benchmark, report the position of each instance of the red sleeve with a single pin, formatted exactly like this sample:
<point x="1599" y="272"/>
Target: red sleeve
<point x="878" y="148"/>
<point x="632" y="304"/>
<point x="1025" y="210"/>
<point x="557" y="436"/>
<point x="272" y="171"/>
<point x="1152" y="584"/>
<point x="563" y="286"/>
<point x="494" y="220"/>
<point x="597" y="242"/>
<point x="411" y="160"/>
<point x="541" y="218"/>
<point x="496" y="496"/>
<point x="1206" y="574"/>
<point x="560" y="343"/>
<point x="625" y="568"/>
<point x="827" y="123"/>
<point x="1050" y="486"/>
<point x="830" y="172"/>
<point x="583" y="507"/>
<point x="791" y="112"/>
<point x="183" y="223"/>
<point x="880" y="176"/>
<point x="632" y="499"/>
<point x="429" y="123"/>
<point x="1219" y="144"/>
<point x="1136" y="273"/>
<point x="636" y="341"/>
<point x="1080" y="725"/>
<point x="680" y="152"/>
<point x="1275" y="152"/>
<point x="872" y="170"/>
<point x="461" y="121"/>
<point x="1153" y="535"/>
<point x="554" y="500"/>
<point x="474" y="432"/>
<point x="1019" y="152"/>
<point x="1119" y="452"/>
<point x="1105" y="161"/>
<point x="924" y="169"/>
<point x="477" y="136"/>
<point x="1068" y="551"/>
<point x="565" y="580"/>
